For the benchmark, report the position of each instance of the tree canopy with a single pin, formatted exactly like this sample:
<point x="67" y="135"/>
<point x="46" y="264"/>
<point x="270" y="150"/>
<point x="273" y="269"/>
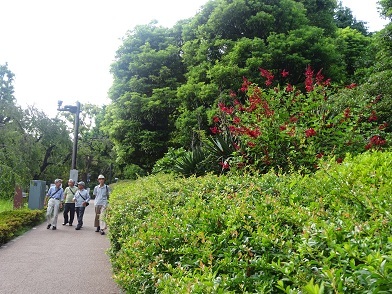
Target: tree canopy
<point x="168" y="81"/>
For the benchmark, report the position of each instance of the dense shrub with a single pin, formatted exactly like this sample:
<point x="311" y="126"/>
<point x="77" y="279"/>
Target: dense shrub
<point x="14" y="221"/>
<point x="284" y="127"/>
<point x="274" y="233"/>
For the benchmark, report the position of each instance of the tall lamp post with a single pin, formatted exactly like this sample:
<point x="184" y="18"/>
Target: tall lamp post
<point x="75" y="110"/>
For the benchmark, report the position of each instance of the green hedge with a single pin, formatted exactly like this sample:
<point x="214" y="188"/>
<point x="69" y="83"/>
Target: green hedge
<point x="14" y="221"/>
<point x="324" y="233"/>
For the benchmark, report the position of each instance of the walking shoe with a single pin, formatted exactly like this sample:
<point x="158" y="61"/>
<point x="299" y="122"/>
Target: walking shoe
<point x="54" y="228"/>
<point x="102" y="232"/>
<point x="97" y="230"/>
<point x="70" y="225"/>
<point x="64" y="224"/>
<point x="77" y="228"/>
<point x="48" y="227"/>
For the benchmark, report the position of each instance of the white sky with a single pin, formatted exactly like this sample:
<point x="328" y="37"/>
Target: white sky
<point x="62" y="50"/>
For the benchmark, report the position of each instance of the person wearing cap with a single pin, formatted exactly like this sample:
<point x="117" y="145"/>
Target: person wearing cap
<point x="69" y="204"/>
<point x="101" y="193"/>
<point x="54" y="199"/>
<point x="81" y="199"/>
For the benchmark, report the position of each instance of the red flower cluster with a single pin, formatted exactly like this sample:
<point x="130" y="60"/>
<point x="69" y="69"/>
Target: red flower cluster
<point x="244" y="131"/>
<point x="215" y="130"/>
<point x="225" y="165"/>
<point x="375" y="141"/>
<point x="383" y="126"/>
<point x="347" y="112"/>
<point x="253" y="133"/>
<point x="319" y="77"/>
<point x="373" y="116"/>
<point x="245" y="84"/>
<point x="351" y="86"/>
<point x="309" y="82"/>
<point x="268" y="75"/>
<point x="309" y="79"/>
<point x="284" y="73"/>
<point x="225" y="109"/>
<point x="378" y="98"/>
<point x="282" y="127"/>
<point x="251" y="144"/>
<point x="310" y="133"/>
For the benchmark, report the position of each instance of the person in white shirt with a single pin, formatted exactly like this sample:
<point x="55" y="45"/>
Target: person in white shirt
<point x="54" y="199"/>
<point x="81" y="202"/>
<point x="101" y="193"/>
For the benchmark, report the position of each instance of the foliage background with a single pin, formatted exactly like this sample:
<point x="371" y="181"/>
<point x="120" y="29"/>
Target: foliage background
<point x="168" y="81"/>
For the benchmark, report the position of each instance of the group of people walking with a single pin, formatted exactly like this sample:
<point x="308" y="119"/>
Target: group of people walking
<point x="75" y="200"/>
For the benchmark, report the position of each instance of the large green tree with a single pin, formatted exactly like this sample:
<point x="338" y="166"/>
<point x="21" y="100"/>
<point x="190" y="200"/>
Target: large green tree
<point x="147" y="73"/>
<point x="167" y="81"/>
<point x="32" y="146"/>
<point x="95" y="150"/>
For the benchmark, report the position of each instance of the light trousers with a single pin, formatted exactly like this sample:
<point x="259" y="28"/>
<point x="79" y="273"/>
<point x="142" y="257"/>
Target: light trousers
<point x="53" y="208"/>
<point x="100" y="216"/>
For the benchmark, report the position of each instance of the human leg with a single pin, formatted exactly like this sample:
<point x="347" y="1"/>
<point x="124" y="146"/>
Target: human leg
<point x="72" y="213"/>
<point x="97" y="216"/>
<point x="65" y="213"/>
<point x="49" y="211"/>
<point x="102" y="222"/>
<point x="77" y="210"/>
<point x="80" y="213"/>
<point x="56" y="209"/>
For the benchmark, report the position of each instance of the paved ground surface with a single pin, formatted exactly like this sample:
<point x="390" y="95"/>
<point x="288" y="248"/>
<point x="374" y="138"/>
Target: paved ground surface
<point x="60" y="261"/>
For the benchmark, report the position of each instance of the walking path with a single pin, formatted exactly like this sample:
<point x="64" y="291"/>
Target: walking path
<point x="60" y="261"/>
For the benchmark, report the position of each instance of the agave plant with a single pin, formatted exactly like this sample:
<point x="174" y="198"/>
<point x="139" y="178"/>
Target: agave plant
<point x="191" y="163"/>
<point x="220" y="149"/>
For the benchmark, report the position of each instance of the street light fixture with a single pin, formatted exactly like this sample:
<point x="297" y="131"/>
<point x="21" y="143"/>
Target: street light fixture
<point x="76" y="111"/>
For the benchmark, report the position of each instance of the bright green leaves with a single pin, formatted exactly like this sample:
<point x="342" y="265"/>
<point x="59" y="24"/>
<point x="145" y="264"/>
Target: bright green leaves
<point x="256" y="233"/>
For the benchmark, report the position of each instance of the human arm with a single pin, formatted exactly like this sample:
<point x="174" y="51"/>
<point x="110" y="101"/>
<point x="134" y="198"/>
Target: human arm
<point x="47" y="196"/>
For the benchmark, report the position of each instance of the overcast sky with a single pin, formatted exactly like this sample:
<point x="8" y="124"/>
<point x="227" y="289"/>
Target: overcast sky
<point x="62" y="50"/>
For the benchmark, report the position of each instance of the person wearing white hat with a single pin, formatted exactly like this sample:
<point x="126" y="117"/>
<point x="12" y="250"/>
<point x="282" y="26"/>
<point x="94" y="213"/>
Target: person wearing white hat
<point x="101" y="193"/>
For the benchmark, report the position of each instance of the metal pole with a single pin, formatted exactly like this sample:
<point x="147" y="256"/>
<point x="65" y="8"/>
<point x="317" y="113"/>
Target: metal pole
<point x="76" y="132"/>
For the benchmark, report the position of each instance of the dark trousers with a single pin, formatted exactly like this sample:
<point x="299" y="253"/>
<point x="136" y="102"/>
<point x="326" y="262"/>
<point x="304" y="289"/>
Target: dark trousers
<point x="69" y="208"/>
<point x="80" y="213"/>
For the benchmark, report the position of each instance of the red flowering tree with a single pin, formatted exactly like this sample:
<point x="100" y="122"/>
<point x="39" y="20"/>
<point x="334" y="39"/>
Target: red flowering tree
<point x="285" y="127"/>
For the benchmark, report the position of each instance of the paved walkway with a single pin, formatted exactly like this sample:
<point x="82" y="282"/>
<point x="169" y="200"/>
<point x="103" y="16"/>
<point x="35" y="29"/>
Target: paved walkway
<point x="60" y="261"/>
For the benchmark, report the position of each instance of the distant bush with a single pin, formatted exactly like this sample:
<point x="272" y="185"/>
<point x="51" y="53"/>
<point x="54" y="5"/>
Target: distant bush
<point x="329" y="232"/>
<point x="133" y="171"/>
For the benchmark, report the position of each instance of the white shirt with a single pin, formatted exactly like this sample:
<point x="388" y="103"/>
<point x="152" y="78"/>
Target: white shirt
<point x="101" y="195"/>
